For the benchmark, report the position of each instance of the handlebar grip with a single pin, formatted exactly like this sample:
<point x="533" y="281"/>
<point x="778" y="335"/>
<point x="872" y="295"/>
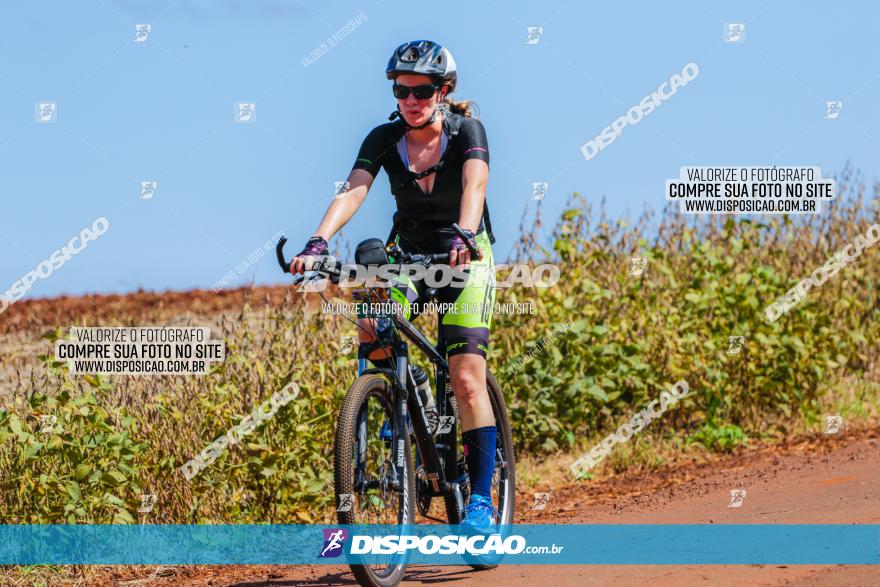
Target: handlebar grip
<point x="279" y="254"/>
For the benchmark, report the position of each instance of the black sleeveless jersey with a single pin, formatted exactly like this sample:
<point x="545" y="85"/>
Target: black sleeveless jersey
<point x="422" y="219"/>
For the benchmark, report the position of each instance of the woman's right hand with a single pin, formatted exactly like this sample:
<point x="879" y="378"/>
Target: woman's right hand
<point x="315" y="247"/>
<point x="302" y="264"/>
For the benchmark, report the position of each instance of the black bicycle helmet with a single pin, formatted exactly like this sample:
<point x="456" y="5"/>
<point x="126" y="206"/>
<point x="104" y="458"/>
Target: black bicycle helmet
<point x="425" y="58"/>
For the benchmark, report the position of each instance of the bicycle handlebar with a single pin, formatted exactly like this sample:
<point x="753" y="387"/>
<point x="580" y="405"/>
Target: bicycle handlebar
<point x="332" y="268"/>
<point x="279" y="254"/>
<point x="405" y="258"/>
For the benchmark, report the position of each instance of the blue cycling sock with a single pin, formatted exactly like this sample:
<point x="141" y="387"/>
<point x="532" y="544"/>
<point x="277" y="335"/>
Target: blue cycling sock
<point x="479" y="454"/>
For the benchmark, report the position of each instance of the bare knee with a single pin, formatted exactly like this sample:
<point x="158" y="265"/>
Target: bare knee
<point x="468" y="374"/>
<point x="469" y="386"/>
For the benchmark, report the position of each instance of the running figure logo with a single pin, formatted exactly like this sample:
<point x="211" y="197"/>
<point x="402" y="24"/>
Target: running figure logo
<point x="734" y="32"/>
<point x="737" y="497"/>
<point x="638" y="266"/>
<point x="334" y="540"/>
<point x="444" y="426"/>
<point x="346" y="344"/>
<point x="736" y="344"/>
<point x="47" y="423"/>
<point x="245" y="112"/>
<point x="443" y="109"/>
<point x="148" y="189"/>
<point x="534" y="37"/>
<point x="148" y="500"/>
<point x="340" y="189"/>
<point x="142" y="32"/>
<point x="833" y="424"/>
<point x="47" y="112"/>
<point x="832" y="109"/>
<point x="346" y="500"/>
<point x="539" y="190"/>
<point x="541" y="501"/>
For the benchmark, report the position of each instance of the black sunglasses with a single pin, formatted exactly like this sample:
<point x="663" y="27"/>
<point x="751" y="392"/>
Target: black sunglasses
<point x="422" y="92"/>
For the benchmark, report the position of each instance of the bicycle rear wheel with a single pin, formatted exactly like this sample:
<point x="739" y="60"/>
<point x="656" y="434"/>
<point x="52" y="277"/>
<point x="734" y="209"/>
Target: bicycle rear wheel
<point x="362" y="471"/>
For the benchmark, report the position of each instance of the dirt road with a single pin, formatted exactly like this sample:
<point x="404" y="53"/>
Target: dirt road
<point x="821" y="479"/>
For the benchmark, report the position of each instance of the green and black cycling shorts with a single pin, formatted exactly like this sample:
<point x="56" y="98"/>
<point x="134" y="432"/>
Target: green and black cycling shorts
<point x="467" y="319"/>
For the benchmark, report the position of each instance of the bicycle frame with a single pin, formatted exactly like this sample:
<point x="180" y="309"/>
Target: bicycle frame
<point x="406" y="400"/>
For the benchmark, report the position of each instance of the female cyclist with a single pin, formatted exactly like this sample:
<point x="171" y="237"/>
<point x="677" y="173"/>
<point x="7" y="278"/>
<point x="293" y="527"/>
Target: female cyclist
<point x="437" y="160"/>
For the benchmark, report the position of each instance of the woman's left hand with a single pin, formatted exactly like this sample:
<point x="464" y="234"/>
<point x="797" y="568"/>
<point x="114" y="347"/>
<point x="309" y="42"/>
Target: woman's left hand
<point x="460" y="254"/>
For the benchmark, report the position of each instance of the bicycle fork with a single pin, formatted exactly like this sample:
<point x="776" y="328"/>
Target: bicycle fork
<point x="408" y="401"/>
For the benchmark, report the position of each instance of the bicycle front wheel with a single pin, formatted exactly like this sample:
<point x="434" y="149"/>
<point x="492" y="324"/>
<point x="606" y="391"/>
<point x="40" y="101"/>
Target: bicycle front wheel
<point x="366" y="492"/>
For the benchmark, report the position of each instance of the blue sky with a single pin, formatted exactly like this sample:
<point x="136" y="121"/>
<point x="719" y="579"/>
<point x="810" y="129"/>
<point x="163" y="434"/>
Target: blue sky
<point x="163" y="110"/>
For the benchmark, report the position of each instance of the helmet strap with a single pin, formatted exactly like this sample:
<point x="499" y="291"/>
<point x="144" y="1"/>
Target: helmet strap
<point x="398" y="114"/>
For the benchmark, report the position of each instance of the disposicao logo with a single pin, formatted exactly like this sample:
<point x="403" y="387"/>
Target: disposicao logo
<point x="334" y="542"/>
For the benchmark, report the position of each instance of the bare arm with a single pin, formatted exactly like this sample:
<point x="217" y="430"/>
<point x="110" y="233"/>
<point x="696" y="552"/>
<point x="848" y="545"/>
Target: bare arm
<point x="338" y="214"/>
<point x="343" y="208"/>
<point x="474" y="177"/>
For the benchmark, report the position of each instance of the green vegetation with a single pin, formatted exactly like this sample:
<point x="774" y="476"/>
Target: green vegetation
<point x="630" y="337"/>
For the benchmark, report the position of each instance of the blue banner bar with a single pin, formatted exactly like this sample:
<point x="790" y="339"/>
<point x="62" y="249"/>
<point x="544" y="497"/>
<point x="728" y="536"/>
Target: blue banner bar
<point x="609" y="544"/>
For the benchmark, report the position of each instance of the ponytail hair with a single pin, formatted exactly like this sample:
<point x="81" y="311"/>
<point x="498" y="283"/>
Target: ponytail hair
<point x="462" y="107"/>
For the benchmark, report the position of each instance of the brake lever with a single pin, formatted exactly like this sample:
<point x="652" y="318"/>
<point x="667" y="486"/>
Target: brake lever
<point x="328" y="267"/>
<point x="307" y="276"/>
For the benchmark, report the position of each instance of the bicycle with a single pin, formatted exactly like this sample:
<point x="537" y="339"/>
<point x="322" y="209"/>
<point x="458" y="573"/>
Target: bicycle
<point x="382" y="482"/>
